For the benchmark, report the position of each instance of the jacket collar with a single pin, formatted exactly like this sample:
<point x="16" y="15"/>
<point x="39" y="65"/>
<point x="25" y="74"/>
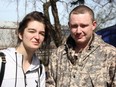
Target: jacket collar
<point x="35" y="64"/>
<point x="72" y="56"/>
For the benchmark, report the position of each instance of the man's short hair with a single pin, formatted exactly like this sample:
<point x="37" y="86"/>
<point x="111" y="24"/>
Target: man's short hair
<point x="81" y="9"/>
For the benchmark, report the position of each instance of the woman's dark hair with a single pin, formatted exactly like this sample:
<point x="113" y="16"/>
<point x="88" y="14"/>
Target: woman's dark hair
<point x="33" y="16"/>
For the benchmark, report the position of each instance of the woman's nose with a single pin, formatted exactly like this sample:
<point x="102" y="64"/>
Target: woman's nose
<point x="37" y="36"/>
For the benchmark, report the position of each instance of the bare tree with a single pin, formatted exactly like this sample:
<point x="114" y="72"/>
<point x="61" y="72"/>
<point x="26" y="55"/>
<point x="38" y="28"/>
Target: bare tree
<point x="105" y="11"/>
<point x="56" y="31"/>
<point x="78" y="2"/>
<point x="56" y="28"/>
<point x="106" y="15"/>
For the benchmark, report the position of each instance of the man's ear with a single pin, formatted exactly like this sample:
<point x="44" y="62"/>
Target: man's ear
<point x="94" y="25"/>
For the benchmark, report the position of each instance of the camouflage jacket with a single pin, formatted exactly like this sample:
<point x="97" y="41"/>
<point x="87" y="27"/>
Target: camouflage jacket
<point x="94" y="67"/>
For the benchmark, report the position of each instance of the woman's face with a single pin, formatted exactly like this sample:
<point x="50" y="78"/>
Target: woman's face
<point x="33" y="35"/>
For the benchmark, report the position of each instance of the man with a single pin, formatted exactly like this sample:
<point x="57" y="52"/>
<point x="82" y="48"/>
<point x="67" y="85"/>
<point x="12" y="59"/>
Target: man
<point x="85" y="60"/>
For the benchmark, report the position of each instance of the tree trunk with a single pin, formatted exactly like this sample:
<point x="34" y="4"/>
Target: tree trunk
<point x="55" y="30"/>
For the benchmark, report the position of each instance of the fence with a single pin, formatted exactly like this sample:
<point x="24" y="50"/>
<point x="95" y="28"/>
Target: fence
<point x="7" y="37"/>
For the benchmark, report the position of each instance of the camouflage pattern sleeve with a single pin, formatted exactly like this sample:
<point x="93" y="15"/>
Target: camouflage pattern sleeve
<point x="112" y="69"/>
<point x="50" y="82"/>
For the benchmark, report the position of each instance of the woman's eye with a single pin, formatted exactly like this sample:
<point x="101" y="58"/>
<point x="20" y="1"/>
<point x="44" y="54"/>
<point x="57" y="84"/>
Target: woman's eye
<point x="42" y="33"/>
<point x="31" y="30"/>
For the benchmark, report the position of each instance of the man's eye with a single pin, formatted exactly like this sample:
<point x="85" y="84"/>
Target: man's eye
<point x="83" y="26"/>
<point x="74" y="26"/>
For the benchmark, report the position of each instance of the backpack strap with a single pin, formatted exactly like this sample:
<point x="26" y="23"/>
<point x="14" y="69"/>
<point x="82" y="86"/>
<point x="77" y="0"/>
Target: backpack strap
<point x="40" y="67"/>
<point x="3" y="62"/>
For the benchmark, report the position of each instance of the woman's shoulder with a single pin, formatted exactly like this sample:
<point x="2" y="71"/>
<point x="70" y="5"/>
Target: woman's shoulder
<point x="5" y="50"/>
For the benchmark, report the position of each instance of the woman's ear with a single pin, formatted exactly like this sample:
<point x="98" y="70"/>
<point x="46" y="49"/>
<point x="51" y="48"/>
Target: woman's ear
<point x="20" y="36"/>
<point x="68" y="24"/>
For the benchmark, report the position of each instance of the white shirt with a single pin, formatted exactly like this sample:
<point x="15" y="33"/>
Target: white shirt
<point x="15" y="76"/>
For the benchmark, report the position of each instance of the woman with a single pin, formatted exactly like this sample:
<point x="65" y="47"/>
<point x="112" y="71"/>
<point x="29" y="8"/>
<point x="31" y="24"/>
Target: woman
<point x="23" y="68"/>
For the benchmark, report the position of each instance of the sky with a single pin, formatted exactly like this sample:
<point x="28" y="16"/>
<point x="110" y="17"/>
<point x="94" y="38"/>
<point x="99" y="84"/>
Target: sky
<point x="8" y="10"/>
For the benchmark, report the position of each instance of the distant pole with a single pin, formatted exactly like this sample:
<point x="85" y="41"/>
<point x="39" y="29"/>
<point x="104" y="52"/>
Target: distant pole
<point x="34" y="5"/>
<point x="17" y="11"/>
<point x="25" y="6"/>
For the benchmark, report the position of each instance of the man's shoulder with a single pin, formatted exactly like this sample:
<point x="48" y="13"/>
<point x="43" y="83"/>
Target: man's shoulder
<point x="107" y="49"/>
<point x="103" y="45"/>
<point x="58" y="51"/>
<point x="61" y="48"/>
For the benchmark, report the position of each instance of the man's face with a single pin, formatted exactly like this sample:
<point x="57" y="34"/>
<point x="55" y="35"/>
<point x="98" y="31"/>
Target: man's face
<point x="81" y="27"/>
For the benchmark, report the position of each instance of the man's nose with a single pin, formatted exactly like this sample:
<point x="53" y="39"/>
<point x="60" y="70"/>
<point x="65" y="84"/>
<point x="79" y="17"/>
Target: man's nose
<point x="78" y="30"/>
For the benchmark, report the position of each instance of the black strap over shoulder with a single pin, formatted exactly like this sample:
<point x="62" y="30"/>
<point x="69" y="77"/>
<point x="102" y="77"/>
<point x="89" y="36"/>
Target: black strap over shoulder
<point x="3" y="62"/>
<point x="40" y="67"/>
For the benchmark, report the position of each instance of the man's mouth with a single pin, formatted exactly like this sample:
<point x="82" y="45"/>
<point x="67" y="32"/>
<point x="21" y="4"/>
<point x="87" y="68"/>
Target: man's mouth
<point x="78" y="36"/>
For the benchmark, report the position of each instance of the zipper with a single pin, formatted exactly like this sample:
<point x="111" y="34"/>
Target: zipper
<point x="25" y="81"/>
